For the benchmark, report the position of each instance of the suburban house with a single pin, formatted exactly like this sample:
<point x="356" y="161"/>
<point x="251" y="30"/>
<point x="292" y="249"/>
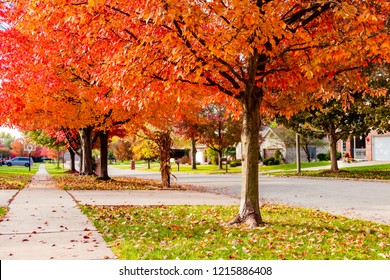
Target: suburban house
<point x="373" y="146"/>
<point x="283" y="139"/>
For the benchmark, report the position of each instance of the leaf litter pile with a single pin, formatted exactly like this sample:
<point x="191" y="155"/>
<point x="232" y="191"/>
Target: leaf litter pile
<point x="119" y="183"/>
<point x="202" y="233"/>
<point x="10" y="182"/>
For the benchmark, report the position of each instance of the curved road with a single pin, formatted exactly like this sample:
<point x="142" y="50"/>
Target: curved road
<point x="369" y="200"/>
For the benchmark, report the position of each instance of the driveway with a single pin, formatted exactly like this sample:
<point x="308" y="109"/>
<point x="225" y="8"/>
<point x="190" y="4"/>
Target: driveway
<point x="369" y="200"/>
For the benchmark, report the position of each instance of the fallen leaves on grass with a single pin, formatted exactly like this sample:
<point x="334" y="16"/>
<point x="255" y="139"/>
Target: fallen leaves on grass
<point x="119" y="183"/>
<point x="200" y="232"/>
<point x="372" y="174"/>
<point x="11" y="182"/>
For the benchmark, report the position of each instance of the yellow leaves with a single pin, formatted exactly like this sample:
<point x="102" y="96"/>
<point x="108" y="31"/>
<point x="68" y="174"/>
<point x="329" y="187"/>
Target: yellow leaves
<point x="386" y="46"/>
<point x="307" y="69"/>
<point x="95" y="3"/>
<point x="346" y="10"/>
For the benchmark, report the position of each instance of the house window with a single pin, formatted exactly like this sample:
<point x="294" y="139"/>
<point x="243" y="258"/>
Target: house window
<point x="344" y="146"/>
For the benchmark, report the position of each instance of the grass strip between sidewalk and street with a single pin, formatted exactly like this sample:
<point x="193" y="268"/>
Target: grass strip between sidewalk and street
<point x="374" y="172"/>
<point x="73" y="181"/>
<point x="213" y="169"/>
<point x="202" y="233"/>
<point x="3" y="212"/>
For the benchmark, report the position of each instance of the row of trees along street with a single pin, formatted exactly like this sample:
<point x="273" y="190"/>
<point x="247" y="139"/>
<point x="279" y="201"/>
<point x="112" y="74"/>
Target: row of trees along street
<point x="11" y="146"/>
<point x="83" y="71"/>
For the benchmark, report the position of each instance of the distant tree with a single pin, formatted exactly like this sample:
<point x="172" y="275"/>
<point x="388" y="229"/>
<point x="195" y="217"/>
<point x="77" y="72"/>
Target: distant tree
<point x="145" y="149"/>
<point x="380" y="78"/>
<point x="5" y="152"/>
<point x="122" y="148"/>
<point x="6" y="139"/>
<point x="309" y="138"/>
<point x="53" y="142"/>
<point x="189" y="130"/>
<point x="334" y="120"/>
<point x="219" y="129"/>
<point x="17" y="148"/>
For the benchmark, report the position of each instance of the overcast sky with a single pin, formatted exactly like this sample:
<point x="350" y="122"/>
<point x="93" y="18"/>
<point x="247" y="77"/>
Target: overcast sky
<point x="14" y="132"/>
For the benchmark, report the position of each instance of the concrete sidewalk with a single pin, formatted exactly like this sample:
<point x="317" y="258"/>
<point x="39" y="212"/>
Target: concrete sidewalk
<point x="44" y="222"/>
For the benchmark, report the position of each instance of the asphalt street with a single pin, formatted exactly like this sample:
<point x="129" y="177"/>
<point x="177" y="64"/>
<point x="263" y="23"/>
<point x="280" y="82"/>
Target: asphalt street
<point x="362" y="199"/>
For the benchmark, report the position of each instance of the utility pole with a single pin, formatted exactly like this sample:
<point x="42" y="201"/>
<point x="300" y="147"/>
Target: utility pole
<point x="298" y="152"/>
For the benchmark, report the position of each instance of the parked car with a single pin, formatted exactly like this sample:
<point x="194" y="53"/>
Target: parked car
<point x="21" y="161"/>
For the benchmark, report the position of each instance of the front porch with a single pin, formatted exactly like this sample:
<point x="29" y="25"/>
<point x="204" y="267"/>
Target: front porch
<point x="355" y="147"/>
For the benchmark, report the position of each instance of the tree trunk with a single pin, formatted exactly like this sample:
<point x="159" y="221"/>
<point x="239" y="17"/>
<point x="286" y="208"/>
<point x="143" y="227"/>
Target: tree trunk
<point x="305" y="148"/>
<point x="72" y="160"/>
<point x="249" y="208"/>
<point x="103" y="136"/>
<point x="164" y="143"/>
<point x="333" y="150"/>
<point x="220" y="159"/>
<point x="81" y="163"/>
<point x="86" y="139"/>
<point x="193" y="142"/>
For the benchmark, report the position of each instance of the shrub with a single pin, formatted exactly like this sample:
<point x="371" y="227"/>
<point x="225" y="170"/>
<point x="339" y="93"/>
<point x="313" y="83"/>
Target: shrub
<point x="212" y="156"/>
<point x="326" y="157"/>
<point x="321" y="157"/>
<point x="235" y="163"/>
<point x="278" y="155"/>
<point x="271" y="161"/>
<point x="185" y="160"/>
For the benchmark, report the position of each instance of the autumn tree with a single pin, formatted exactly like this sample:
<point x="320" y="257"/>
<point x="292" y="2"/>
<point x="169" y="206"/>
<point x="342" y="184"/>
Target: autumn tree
<point x="256" y="52"/>
<point x="41" y="138"/>
<point x="4" y="152"/>
<point x="5" y="144"/>
<point x="62" y="77"/>
<point x="220" y="130"/>
<point x="122" y="148"/>
<point x="17" y="147"/>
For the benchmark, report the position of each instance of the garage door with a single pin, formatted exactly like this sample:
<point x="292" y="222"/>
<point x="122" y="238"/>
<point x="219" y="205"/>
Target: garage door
<point x="381" y="148"/>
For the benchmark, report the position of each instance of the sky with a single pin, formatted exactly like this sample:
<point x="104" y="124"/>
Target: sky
<point x="14" y="132"/>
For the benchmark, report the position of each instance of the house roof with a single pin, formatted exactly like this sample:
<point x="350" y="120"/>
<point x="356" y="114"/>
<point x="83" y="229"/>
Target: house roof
<point x="285" y="135"/>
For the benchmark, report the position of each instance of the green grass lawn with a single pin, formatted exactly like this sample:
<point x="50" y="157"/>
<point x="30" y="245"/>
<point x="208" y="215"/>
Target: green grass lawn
<point x="293" y="166"/>
<point x="15" y="177"/>
<point x="375" y="172"/>
<point x="213" y="169"/>
<point x="201" y="233"/>
<point x="54" y="171"/>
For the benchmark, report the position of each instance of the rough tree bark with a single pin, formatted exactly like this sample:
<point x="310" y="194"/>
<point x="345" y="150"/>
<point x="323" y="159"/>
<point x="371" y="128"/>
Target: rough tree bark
<point x="86" y="140"/>
<point x="164" y="142"/>
<point x="72" y="160"/>
<point x="193" y="150"/>
<point x="103" y="136"/>
<point x="251" y="100"/>
<point x="333" y="149"/>
<point x="249" y="208"/>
